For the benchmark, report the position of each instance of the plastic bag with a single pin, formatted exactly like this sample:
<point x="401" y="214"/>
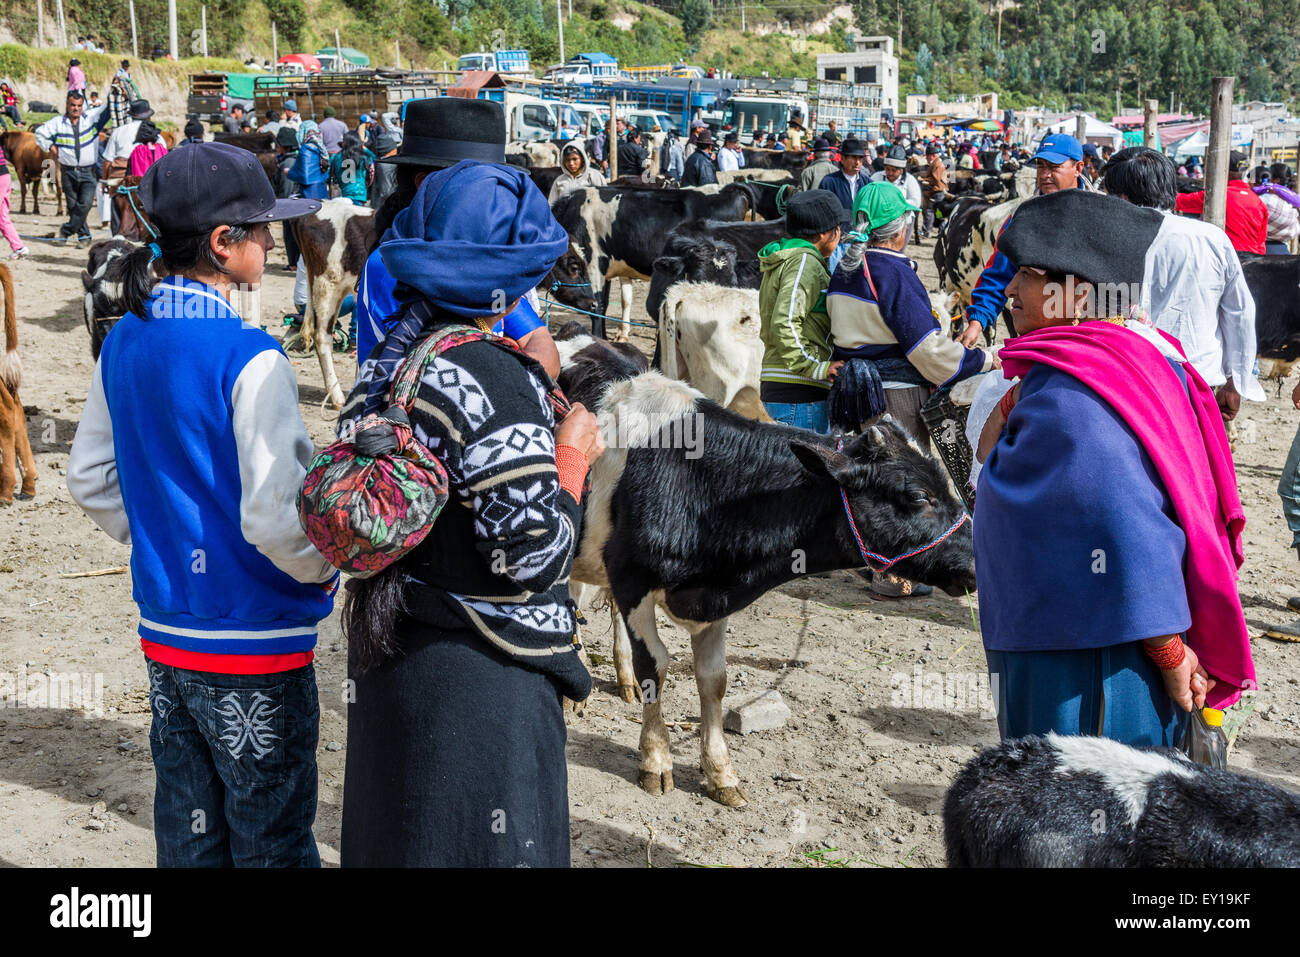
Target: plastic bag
<point x="1203" y="740"/>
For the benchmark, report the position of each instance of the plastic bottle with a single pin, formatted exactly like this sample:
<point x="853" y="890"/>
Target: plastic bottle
<point x="1204" y="741"/>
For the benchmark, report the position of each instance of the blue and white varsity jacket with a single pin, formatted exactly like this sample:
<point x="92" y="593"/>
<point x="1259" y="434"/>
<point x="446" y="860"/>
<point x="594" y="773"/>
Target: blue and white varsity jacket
<point x="191" y="449"/>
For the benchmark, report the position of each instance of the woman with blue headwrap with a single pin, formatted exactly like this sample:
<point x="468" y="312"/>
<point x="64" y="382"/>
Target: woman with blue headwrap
<point x="461" y="651"/>
<point x="311" y="171"/>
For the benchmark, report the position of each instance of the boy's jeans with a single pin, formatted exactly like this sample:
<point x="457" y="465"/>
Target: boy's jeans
<point x="801" y="415"/>
<point x="235" y="762"/>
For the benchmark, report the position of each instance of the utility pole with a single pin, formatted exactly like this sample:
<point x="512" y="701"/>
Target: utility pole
<point x="338" y="51"/>
<point x="40" y="24"/>
<point x="203" y="12"/>
<point x="1216" y="156"/>
<point x="559" y="20"/>
<point x="135" y="43"/>
<point x="63" y="27"/>
<point x="742" y="16"/>
<point x="171" y="28"/>
<point x="275" y="46"/>
<point x="397" y="54"/>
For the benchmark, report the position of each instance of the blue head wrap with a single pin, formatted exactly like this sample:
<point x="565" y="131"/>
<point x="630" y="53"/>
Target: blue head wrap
<point x="476" y="237"/>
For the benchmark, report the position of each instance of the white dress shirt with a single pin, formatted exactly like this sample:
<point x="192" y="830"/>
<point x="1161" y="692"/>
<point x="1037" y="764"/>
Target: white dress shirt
<point x="121" y="141"/>
<point x="730" y="159"/>
<point x="907" y="183"/>
<point x="1193" y="288"/>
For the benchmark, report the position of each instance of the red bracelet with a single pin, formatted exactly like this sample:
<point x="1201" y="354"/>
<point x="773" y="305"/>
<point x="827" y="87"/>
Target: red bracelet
<point x="572" y="466"/>
<point x="1008" y="402"/>
<point x="1169" y="655"/>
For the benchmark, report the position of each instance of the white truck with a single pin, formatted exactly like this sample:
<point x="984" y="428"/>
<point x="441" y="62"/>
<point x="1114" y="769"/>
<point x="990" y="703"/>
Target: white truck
<point x="532" y="118"/>
<point x="763" y="113"/>
<point x="505" y="62"/>
<point x="855" y="108"/>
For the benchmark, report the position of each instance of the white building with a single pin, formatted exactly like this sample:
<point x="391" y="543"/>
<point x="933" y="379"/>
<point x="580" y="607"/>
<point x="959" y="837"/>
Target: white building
<point x="872" y="61"/>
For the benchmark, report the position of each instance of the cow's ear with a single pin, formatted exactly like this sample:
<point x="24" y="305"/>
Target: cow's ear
<point x="821" y="461"/>
<point x="671" y="266"/>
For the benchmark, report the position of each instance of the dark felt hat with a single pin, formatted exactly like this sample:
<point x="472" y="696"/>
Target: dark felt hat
<point x="193" y="128"/>
<point x="1093" y="236"/>
<point x="852" y="147"/>
<point x="140" y="110"/>
<point x="440" y="131"/>
<point x="813" y="212"/>
<point x="705" y="138"/>
<point x="287" y="137"/>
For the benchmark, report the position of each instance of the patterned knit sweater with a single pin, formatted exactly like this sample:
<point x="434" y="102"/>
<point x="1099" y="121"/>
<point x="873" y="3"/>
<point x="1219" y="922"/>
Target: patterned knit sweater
<point x="497" y="559"/>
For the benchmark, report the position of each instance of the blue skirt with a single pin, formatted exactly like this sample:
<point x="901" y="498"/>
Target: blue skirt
<point x="1114" y="692"/>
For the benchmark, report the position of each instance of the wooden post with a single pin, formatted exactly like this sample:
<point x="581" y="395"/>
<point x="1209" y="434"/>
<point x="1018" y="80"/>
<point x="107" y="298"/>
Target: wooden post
<point x="1216" y="157"/>
<point x="1081" y="128"/>
<point x="135" y="43"/>
<point x="1149" y="114"/>
<point x="611" y="150"/>
<point x="740" y="127"/>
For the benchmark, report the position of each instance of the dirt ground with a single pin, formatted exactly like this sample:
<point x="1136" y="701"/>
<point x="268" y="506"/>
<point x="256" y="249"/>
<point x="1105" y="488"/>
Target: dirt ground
<point x="857" y="775"/>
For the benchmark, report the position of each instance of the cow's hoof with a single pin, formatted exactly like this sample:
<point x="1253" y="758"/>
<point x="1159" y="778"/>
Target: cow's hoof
<point x="620" y="337"/>
<point x="24" y="496"/>
<point x="630" y="693"/>
<point x="577" y="708"/>
<point x="728" y="796"/>
<point x="657" y="783"/>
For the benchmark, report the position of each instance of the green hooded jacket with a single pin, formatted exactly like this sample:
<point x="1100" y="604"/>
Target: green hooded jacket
<point x="792" y="304"/>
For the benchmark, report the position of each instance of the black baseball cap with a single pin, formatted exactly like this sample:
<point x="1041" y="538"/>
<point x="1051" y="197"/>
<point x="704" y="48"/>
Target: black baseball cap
<point x="207" y="185"/>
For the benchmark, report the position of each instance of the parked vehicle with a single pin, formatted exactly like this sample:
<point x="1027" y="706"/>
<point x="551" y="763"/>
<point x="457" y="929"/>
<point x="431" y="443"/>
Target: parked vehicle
<point x="499" y="61"/>
<point x="213" y="95"/>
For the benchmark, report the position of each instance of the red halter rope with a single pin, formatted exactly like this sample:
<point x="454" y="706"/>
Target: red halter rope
<point x="868" y="555"/>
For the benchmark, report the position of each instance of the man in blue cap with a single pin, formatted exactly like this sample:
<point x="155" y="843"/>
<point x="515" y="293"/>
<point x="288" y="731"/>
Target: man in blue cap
<point x="1059" y="162"/>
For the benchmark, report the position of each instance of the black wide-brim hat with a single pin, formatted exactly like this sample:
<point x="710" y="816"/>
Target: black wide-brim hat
<point x="207" y="185"/>
<point x="140" y="110"/>
<point x="1076" y="232"/>
<point x="852" y="147"/>
<point x="440" y="131"/>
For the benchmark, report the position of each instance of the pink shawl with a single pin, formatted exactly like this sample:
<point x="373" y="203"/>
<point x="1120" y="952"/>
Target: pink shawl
<point x="1189" y="448"/>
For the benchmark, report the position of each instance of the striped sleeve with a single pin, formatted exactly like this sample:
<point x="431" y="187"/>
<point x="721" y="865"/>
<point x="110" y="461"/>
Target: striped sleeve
<point x="487" y="417"/>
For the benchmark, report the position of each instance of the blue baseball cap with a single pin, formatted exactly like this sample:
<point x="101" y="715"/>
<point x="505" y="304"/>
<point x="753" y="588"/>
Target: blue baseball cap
<point x="1059" y="147"/>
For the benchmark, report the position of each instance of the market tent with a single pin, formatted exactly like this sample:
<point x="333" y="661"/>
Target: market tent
<point x="1137" y="137"/>
<point x="1095" y="131"/>
<point x="305" y="60"/>
<point x="1195" y="145"/>
<point x="355" y="57"/>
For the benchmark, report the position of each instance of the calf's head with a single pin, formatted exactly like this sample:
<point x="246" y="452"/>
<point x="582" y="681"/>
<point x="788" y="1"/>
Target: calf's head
<point x="900" y="501"/>
<point x="570" y="282"/>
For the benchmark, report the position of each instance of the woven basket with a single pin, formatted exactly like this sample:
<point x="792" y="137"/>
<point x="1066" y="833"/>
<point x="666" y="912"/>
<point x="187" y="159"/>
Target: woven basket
<point x="947" y="424"/>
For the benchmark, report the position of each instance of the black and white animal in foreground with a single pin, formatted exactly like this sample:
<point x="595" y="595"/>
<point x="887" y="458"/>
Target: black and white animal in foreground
<point x="725" y="254"/>
<point x="1072" y="801"/>
<point x="103" y="305"/>
<point x="700" y="511"/>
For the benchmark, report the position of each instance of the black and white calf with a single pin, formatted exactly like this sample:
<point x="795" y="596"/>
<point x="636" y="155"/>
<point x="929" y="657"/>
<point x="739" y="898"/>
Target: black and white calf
<point x="700" y="511"/>
<point x="102" y="281"/>
<point x="725" y="254"/>
<point x="1072" y="801"/>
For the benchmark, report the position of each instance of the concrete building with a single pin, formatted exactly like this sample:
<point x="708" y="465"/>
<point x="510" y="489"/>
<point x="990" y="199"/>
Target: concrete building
<point x="872" y="61"/>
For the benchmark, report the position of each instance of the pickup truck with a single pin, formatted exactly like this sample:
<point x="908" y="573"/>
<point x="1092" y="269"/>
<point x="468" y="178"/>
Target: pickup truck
<point x="212" y="95"/>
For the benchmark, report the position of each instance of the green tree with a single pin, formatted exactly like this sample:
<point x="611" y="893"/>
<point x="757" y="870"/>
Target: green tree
<point x="695" y="16"/>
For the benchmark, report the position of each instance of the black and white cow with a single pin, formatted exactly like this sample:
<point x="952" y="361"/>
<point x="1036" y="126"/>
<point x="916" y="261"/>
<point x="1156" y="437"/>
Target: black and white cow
<point x="1274" y="283"/>
<point x="701" y="511"/>
<point x="792" y="160"/>
<point x="725" y="254"/>
<point x="1082" y="801"/>
<point x="102" y="280"/>
<point x="618" y="233"/>
<point x="966" y="242"/>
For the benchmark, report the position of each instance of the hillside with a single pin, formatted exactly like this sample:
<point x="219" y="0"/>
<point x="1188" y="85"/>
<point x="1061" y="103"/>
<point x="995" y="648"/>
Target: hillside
<point x="1030" y="53"/>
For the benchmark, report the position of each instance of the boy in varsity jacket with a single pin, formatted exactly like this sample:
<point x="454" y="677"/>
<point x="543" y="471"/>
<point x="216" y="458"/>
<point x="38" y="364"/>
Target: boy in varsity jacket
<point x="191" y="449"/>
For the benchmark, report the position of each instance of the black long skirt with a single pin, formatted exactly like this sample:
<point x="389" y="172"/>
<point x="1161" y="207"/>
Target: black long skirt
<point x="455" y="759"/>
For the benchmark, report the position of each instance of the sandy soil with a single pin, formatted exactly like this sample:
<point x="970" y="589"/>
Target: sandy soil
<point x="856" y="776"/>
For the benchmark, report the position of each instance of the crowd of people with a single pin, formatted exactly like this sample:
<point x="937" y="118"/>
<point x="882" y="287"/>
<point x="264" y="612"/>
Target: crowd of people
<point x="1107" y="607"/>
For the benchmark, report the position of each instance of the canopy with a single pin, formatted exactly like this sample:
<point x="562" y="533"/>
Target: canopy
<point x="1095" y="131"/>
<point x="979" y="126"/>
<point x="1195" y="145"/>
<point x="304" y="60"/>
<point x="355" y="57"/>
<point x="1137" y="137"/>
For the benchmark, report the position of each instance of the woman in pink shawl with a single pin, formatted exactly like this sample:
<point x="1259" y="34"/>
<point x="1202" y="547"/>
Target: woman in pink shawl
<point x="1107" y="524"/>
